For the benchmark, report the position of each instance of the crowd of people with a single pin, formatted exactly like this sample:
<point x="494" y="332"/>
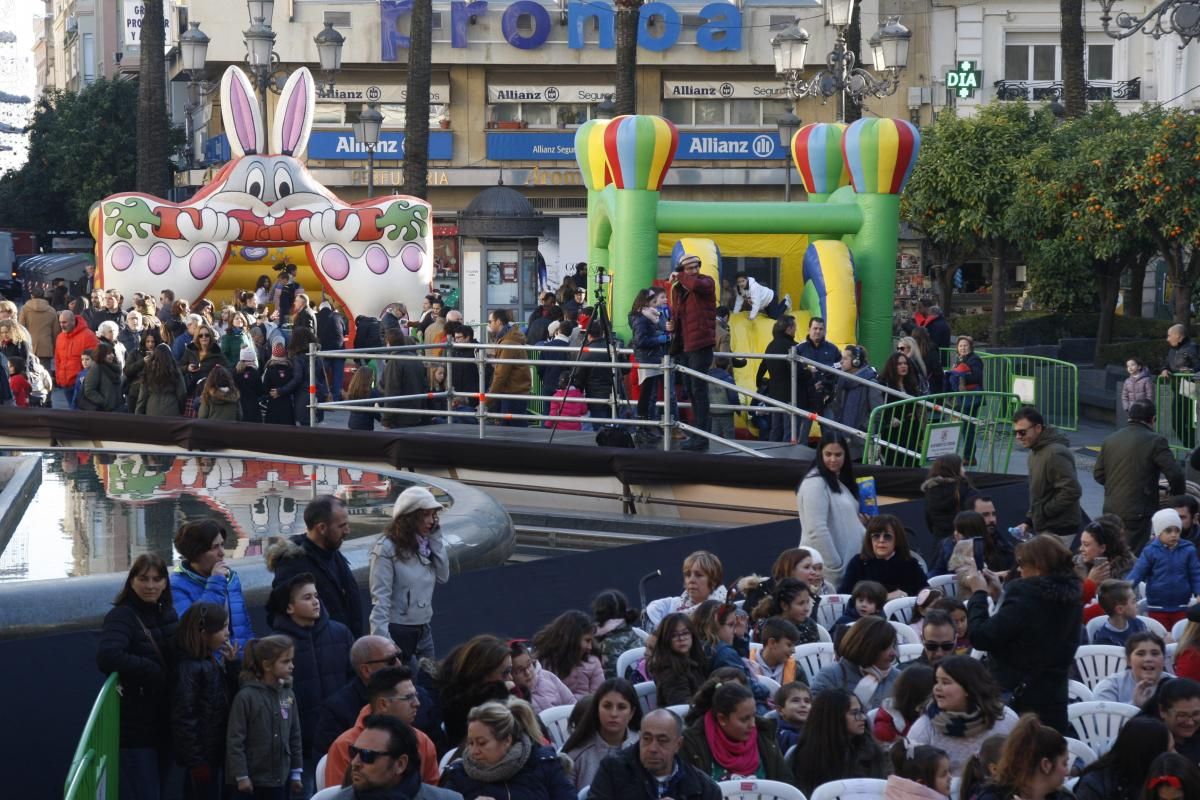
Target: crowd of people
<point x="341" y="694"/>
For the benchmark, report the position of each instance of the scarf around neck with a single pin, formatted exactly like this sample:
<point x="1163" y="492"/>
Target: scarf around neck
<point x="686" y="604"/>
<point x="740" y="758"/>
<point x="957" y="724"/>
<point x="505" y="768"/>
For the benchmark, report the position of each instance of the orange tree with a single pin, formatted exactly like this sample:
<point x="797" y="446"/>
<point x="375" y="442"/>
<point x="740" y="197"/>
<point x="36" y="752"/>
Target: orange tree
<point x="1168" y="202"/>
<point x="1077" y="218"/>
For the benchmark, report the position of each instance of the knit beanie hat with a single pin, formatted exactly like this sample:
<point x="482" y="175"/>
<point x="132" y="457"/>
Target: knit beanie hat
<point x="278" y="351"/>
<point x="1165" y="518"/>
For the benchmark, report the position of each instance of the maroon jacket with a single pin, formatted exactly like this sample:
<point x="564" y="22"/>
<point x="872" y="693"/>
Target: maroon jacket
<point x="694" y="311"/>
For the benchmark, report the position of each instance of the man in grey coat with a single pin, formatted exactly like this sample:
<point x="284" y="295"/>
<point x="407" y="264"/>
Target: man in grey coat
<point x="1128" y="467"/>
<point x="385" y="764"/>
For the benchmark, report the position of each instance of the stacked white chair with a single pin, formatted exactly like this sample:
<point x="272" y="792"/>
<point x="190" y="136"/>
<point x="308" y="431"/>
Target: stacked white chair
<point x="628" y="659"/>
<point x="832" y="606"/>
<point x="451" y="754"/>
<point x="557" y="722"/>
<point x="320" y="776"/>
<point x="823" y="634"/>
<point x="812" y="657"/>
<point x="1078" y="692"/>
<point x="1153" y="625"/>
<point x="327" y="794"/>
<point x="680" y="710"/>
<point x="900" y="609"/>
<point x="754" y="789"/>
<point x="909" y="652"/>
<point x="944" y="584"/>
<point x="647" y="694"/>
<point x="1096" y="662"/>
<point x="1098" y="722"/>
<point x="905" y="634"/>
<point x="1080" y="752"/>
<point x="850" y="789"/>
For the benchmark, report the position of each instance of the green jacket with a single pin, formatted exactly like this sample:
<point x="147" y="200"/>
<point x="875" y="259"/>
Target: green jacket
<point x="225" y="409"/>
<point x="772" y="767"/>
<point x="155" y="402"/>
<point x="1054" y="489"/>
<point x="101" y="388"/>
<point x="263" y="738"/>
<point x="1128" y="467"/>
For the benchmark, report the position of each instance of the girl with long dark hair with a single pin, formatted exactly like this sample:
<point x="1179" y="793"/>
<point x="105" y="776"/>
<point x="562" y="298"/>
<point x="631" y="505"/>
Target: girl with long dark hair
<point x="1034" y="764"/>
<point x="471" y="674"/>
<point x="830" y="522"/>
<point x="611" y="722"/>
<point x="1120" y="773"/>
<point x="614" y="628"/>
<point x="565" y="648"/>
<point x="835" y="744"/>
<point x="678" y="664"/>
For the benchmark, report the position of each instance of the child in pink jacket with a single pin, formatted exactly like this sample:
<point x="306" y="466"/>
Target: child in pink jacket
<point x="567" y="402"/>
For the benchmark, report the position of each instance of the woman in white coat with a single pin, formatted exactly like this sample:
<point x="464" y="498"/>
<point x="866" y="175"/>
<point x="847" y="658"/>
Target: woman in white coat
<point x="406" y="562"/>
<point x="830" y="522"/>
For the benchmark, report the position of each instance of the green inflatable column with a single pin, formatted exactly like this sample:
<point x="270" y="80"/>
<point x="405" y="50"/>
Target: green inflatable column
<point x="880" y="154"/>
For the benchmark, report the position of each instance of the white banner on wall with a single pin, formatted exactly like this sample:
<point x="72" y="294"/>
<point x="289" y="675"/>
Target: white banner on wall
<point x="532" y="93"/>
<point x="395" y="92"/>
<point x="133" y="13"/>
<point x="723" y="90"/>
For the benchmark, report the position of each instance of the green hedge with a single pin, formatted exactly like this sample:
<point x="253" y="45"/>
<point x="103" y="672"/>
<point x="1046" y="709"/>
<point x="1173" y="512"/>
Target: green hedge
<point x="1027" y="328"/>
<point x="1151" y="352"/>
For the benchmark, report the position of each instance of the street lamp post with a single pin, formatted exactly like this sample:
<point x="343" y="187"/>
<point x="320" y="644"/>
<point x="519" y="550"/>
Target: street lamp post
<point x="366" y="131"/>
<point x="1169" y="16"/>
<point x="788" y="124"/>
<point x="841" y="75"/>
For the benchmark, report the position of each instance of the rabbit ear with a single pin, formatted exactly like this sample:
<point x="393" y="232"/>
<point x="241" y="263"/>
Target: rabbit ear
<point x="239" y="112"/>
<point x="293" y="115"/>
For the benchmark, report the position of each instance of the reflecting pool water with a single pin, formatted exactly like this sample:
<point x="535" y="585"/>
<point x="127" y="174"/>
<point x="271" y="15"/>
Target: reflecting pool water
<point x="97" y="512"/>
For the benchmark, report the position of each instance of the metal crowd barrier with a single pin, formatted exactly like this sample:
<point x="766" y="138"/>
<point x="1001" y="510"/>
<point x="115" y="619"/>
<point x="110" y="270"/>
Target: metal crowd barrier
<point x="975" y="425"/>
<point x="1175" y="401"/>
<point x="93" y="771"/>
<point x="1049" y="384"/>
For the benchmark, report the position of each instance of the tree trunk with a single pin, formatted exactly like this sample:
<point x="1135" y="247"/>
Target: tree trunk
<point x="999" y="280"/>
<point x="946" y="285"/>
<point x="1110" y="288"/>
<point x="1137" y="283"/>
<point x="416" y="106"/>
<point x="852" y="108"/>
<point x="1071" y="42"/>
<point x="628" y="15"/>
<point x="152" y="164"/>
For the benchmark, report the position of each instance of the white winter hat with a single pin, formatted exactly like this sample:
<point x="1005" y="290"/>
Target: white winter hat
<point x="1166" y="518"/>
<point x="414" y="498"/>
<point x="816" y="557"/>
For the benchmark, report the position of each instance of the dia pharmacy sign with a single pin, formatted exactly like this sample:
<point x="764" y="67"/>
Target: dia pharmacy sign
<point x="964" y="80"/>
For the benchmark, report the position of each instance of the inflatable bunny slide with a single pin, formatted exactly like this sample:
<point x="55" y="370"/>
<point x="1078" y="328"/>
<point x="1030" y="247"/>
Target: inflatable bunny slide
<point x="366" y="254"/>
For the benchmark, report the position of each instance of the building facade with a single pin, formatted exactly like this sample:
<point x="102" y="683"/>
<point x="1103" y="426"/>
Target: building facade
<point x="512" y="82"/>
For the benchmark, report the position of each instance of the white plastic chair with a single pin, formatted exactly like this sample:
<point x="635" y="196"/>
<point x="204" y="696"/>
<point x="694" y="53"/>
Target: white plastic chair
<point x="583" y="793"/>
<point x="320" y="776"/>
<point x="556" y="719"/>
<point x="909" y="652"/>
<point x="1153" y="625"/>
<point x="812" y="657"/>
<point x="647" y="694"/>
<point x="1078" y="692"/>
<point x="788" y="755"/>
<point x="680" y="710"/>
<point x="641" y="634"/>
<point x="628" y="659"/>
<point x="944" y="584"/>
<point x="327" y="794"/>
<point x="770" y="684"/>
<point x="905" y="634"/>
<point x="832" y="606"/>
<point x="451" y="754"/>
<point x="1080" y="751"/>
<point x="1178" y="628"/>
<point x="752" y="789"/>
<point x="823" y="634"/>
<point x="1098" y="722"/>
<point x="900" y="609"/>
<point x="1096" y="662"/>
<point x="851" y="789"/>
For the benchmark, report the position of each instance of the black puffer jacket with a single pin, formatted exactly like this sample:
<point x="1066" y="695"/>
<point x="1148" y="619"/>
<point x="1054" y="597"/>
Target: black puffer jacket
<point x="331" y="330"/>
<point x="200" y="710"/>
<point x="1031" y="641"/>
<point x="944" y="498"/>
<point x="144" y="665"/>
<point x="322" y="668"/>
<point x="336" y="585"/>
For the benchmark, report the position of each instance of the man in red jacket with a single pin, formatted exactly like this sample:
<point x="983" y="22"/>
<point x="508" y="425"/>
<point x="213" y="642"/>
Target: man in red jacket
<point x="693" y="325"/>
<point x="69" y="348"/>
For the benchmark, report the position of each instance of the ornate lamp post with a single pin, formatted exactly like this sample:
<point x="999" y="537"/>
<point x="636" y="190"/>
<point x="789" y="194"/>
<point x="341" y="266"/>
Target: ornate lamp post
<point x="1181" y="17"/>
<point x="366" y="132"/>
<point x="788" y="124"/>
<point x="889" y="57"/>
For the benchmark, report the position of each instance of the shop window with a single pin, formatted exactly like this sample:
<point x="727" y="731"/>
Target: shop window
<point x="715" y="113"/>
<point x="542" y="115"/>
<point x="537" y="115"/>
<point x="710" y="112"/>
<point x="744" y="112"/>
<point x="678" y="111"/>
<point x="328" y="113"/>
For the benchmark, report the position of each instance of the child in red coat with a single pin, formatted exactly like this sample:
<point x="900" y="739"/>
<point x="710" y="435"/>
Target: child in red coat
<point x="18" y="382"/>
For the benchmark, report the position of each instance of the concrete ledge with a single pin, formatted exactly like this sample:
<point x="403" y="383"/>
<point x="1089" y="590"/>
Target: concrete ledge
<point x="478" y="532"/>
<point x="20" y="476"/>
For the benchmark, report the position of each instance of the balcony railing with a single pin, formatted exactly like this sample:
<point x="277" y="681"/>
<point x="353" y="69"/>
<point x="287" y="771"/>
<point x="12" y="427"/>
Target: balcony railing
<point x="1052" y="90"/>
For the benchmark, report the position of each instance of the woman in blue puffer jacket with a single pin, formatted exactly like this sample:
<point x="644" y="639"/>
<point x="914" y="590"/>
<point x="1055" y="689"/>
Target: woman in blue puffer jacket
<point x="204" y="576"/>
<point x="504" y="757"/>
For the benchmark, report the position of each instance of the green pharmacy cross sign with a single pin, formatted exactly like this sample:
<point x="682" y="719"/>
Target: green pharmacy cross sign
<point x="964" y="79"/>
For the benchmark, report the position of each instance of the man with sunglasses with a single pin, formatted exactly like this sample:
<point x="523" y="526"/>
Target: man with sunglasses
<point x="1054" y="489"/>
<point x="386" y="764"/>
<point x="390" y="692"/>
<point x="938" y="638"/>
<point x="368" y="655"/>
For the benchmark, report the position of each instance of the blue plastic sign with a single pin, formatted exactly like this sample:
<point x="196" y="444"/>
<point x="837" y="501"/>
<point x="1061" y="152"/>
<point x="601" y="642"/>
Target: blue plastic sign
<point x="697" y="146"/>
<point x="340" y="145"/>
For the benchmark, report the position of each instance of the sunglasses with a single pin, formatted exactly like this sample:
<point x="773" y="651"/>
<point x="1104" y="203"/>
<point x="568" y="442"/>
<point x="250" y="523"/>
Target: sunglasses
<point x="367" y="756"/>
<point x="394" y="658"/>
<point x="933" y="647"/>
<point x="883" y="536"/>
<point x="1020" y="432"/>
